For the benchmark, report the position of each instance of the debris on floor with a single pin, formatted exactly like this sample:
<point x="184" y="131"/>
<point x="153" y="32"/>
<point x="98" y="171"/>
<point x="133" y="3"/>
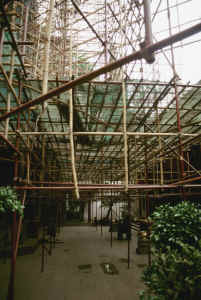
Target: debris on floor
<point x="109" y="268"/>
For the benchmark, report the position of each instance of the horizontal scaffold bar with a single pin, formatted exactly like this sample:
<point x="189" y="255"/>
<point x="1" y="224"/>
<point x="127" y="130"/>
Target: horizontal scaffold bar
<point x="106" y="133"/>
<point x="118" y="187"/>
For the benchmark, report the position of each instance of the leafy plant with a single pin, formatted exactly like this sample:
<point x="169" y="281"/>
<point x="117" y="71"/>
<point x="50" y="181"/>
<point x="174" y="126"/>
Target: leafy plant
<point x="146" y="296"/>
<point x="175" y="272"/>
<point x="9" y="201"/>
<point x="175" y="224"/>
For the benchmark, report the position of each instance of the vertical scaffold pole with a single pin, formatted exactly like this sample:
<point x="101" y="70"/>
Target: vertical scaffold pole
<point x="71" y="124"/>
<point x="181" y="160"/>
<point x="11" y="285"/>
<point x="47" y="46"/>
<point x="1" y="43"/>
<point x="19" y="225"/>
<point x="111" y="225"/>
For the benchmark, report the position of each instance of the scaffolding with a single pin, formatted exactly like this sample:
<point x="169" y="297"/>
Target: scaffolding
<point x="92" y="100"/>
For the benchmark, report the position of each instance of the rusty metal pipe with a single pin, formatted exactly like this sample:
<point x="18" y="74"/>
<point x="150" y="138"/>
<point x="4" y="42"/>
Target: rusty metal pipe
<point x="1" y="43"/>
<point x="187" y="180"/>
<point x="19" y="227"/>
<point x="11" y="285"/>
<point x="147" y="21"/>
<point x="109" y="187"/>
<point x="27" y="8"/>
<point x="9" y="144"/>
<point x="148" y="31"/>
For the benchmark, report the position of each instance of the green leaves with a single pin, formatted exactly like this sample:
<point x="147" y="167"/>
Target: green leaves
<point x="176" y="276"/>
<point x="175" y="272"/>
<point x="144" y="296"/>
<point x="9" y="201"/>
<point x="172" y="224"/>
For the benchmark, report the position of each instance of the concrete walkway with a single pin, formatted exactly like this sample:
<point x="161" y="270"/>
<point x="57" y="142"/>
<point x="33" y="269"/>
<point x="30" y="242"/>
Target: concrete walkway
<point x="73" y="272"/>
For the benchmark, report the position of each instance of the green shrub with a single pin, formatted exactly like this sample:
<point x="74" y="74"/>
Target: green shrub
<point x="146" y="296"/>
<point x="9" y="202"/>
<point x="175" y="271"/>
<point x="175" y="224"/>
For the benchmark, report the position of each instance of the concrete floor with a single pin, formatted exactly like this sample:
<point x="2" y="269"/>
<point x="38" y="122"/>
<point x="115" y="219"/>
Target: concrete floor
<point x="63" y="280"/>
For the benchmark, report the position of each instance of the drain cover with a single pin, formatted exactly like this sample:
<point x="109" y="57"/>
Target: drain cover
<point x="109" y="268"/>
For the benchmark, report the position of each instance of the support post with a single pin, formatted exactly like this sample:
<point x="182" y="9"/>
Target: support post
<point x="47" y="47"/>
<point x="71" y="124"/>
<point x="111" y="233"/>
<point x="106" y="34"/>
<point x="19" y="225"/>
<point x="129" y="228"/>
<point x="15" y="230"/>
<point x="1" y="43"/>
<point x="181" y="160"/>
<point x="101" y="216"/>
<point x="11" y="286"/>
<point x="26" y="18"/>
<point x="96" y="215"/>
<point x="89" y="211"/>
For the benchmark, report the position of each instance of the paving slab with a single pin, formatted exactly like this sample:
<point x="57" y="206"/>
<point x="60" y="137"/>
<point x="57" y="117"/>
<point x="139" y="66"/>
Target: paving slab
<point x="74" y="272"/>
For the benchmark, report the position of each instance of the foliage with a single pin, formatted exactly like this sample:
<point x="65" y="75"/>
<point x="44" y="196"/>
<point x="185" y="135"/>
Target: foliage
<point x="175" y="275"/>
<point x="175" y="224"/>
<point x="75" y="210"/>
<point x="9" y="201"/>
<point x="146" y="296"/>
<point x="175" y="272"/>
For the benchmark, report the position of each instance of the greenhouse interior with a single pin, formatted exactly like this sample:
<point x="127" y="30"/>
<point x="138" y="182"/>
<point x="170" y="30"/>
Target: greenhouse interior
<point x="100" y="142"/>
